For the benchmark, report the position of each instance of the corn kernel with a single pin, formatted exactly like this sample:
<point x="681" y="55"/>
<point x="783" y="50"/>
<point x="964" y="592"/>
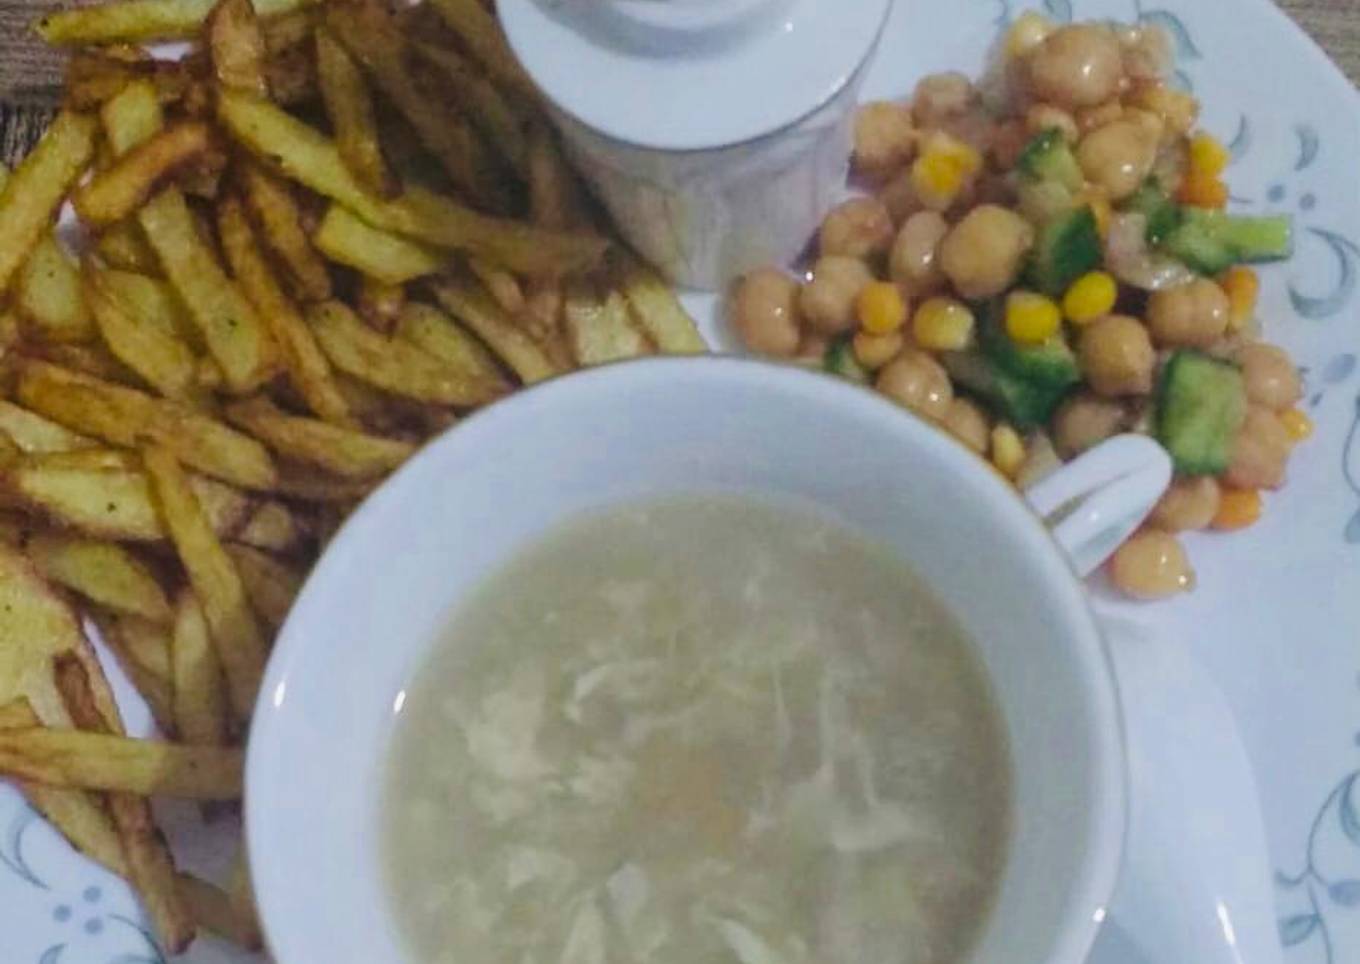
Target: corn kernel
<point x="1297" y="423"/>
<point x="1104" y="215"/>
<point x="945" y="166"/>
<point x="1027" y="33"/>
<point x="1243" y="287"/>
<point x="1032" y="319"/>
<point x="1208" y="156"/>
<point x="1238" y="509"/>
<point x="880" y="307"/>
<point x="1091" y="296"/>
<point x="875" y="351"/>
<point x="943" y="324"/>
<point x="1008" y="451"/>
<point x="1179" y="109"/>
<point x="1202" y="190"/>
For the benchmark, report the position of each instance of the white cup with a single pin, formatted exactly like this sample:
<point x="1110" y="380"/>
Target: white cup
<point x="473" y="499"/>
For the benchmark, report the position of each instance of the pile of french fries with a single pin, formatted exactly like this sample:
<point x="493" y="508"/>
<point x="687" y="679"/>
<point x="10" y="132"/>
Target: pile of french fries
<point x="300" y="248"/>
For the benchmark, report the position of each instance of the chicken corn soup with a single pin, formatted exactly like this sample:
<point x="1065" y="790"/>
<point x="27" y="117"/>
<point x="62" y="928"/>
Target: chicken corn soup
<point x="699" y="730"/>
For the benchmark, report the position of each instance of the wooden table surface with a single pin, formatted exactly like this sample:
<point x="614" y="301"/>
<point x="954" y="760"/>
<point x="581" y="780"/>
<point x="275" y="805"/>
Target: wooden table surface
<point x="29" y="74"/>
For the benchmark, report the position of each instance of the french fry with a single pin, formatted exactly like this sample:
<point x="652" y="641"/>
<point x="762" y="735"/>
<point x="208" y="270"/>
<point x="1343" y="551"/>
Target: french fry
<point x="297" y="481"/>
<point x="200" y="696"/>
<point x="213" y="910"/>
<point x="465" y="299"/>
<point x="345" y="238"/>
<point x="291" y="76"/>
<point x="556" y="199"/>
<point x="132" y="117"/>
<point x="275" y="210"/>
<point x="154" y="303"/>
<point x="498" y="118"/>
<point x="32" y="194"/>
<point x="600" y="331"/>
<point x="285" y="30"/>
<point x="341" y="451"/>
<point x="215" y="580"/>
<point x="481" y="35"/>
<point x="94" y="76"/>
<point x="126" y="417"/>
<point x="379" y="303"/>
<point x="241" y="893"/>
<point x="116" y="193"/>
<point x="236" y="46"/>
<point x="124" y="246"/>
<point x="307" y="367"/>
<point x="48" y="295"/>
<point x="271" y="585"/>
<point x="270" y="525"/>
<point x="657" y="308"/>
<point x="137" y="21"/>
<point x="391" y="364"/>
<point x="142" y="649"/>
<point x="92" y="360"/>
<point x="306" y="156"/>
<point x="435" y="333"/>
<point x="373" y="39"/>
<point x="500" y="284"/>
<point x="349" y="105"/>
<point x="159" y="356"/>
<point x="103" y="572"/>
<point x="16" y="528"/>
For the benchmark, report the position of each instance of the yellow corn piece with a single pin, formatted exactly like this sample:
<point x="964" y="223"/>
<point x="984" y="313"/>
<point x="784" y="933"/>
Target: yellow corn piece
<point x="945" y="167"/>
<point x="1091" y="296"/>
<point x="943" y="324"/>
<point x="1203" y="190"/>
<point x="1104" y="214"/>
<point x="1008" y="450"/>
<point x="881" y="308"/>
<point x="1032" y="319"/>
<point x="1208" y="156"/>
<point x="1243" y="288"/>
<point x="1238" y="509"/>
<point x="1297" y="423"/>
<point x="875" y="351"/>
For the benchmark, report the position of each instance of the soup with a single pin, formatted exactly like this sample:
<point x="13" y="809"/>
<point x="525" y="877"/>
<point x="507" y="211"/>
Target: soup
<point x="699" y="730"/>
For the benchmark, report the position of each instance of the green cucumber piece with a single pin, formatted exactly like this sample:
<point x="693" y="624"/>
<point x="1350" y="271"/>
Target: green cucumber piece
<point x="1050" y="365"/>
<point x="1162" y="213"/>
<point x="839" y="359"/>
<point x="1210" y="242"/>
<point x="1201" y="403"/>
<point x="1048" y="158"/>
<point x="1067" y="247"/>
<point x="1024" y="404"/>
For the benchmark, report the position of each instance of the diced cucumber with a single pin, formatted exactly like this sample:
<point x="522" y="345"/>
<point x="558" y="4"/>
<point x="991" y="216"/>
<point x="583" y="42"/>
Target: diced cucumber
<point x="1050" y="365"/>
<point x="1048" y="158"/>
<point x="1067" y="248"/>
<point x="1024" y="404"/>
<point x="840" y="360"/>
<point x="1210" y="242"/>
<point x="1162" y="213"/>
<point x="1200" y="406"/>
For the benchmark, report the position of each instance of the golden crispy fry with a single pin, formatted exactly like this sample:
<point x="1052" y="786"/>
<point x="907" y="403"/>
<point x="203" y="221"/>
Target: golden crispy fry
<point x="142" y="649"/>
<point x="349" y="105"/>
<point x="379" y="303"/>
<point x="101" y="571"/>
<point x="200" y="695"/>
<point x="500" y="284"/>
<point x="600" y="331"/>
<point x="16" y="528"/>
<point x="274" y="208"/>
<point x="305" y="155"/>
<point x="271" y="585"/>
<point x="49" y="297"/>
<point x="341" y="451"/>
<point x="297" y="481"/>
<point x="213" y="910"/>
<point x="372" y="38"/>
<point x="481" y="35"/>
<point x="34" y="434"/>
<point x="135" y="21"/>
<point x="392" y="365"/>
<point x="92" y="360"/>
<point x="288" y="29"/>
<point x="465" y="299"/>
<point x="115" y="193"/>
<point x="216" y="582"/>
<point x="236" y="46"/>
<point x="126" y="417"/>
<point x="94" y="76"/>
<point x="157" y="355"/>
<point x="272" y="526"/>
<point x="556" y="199"/>
<point x="291" y="76"/>
<point x="435" y="333"/>
<point x="241" y="892"/>
<point x="32" y="194"/>
<point x="133" y="117"/>
<point x="657" y="308"/>
<point x="154" y="303"/>
<point x="232" y="331"/>
<point x="307" y="366"/>
<point x="124" y="246"/>
<point x="499" y="118"/>
<point x="391" y="259"/>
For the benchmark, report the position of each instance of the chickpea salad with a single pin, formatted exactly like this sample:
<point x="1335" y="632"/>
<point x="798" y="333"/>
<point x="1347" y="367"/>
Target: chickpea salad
<point x="1043" y="260"/>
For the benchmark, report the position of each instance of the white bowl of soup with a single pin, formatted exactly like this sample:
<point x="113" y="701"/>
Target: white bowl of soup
<point x="688" y="660"/>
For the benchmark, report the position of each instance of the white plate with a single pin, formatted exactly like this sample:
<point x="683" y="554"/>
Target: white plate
<point x="1276" y="619"/>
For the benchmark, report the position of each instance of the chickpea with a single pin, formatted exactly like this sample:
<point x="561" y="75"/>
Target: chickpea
<point x="918" y="382"/>
<point x="858" y="228"/>
<point x="1046" y="117"/>
<point x="1148" y="53"/>
<point x="1116" y="357"/>
<point x="828" y="300"/>
<point x="900" y="198"/>
<point x="969" y="424"/>
<point x="1177" y="109"/>
<point x="765" y="312"/>
<point x="1077" y="66"/>
<point x="1260" y="452"/>
<point x="885" y="139"/>
<point x="914" y="260"/>
<point x="813" y="346"/>
<point x="1195" y="314"/>
<point x="1119" y="156"/>
<point x="974" y="127"/>
<point x="940" y="97"/>
<point x="1010" y="141"/>
<point x="985" y="251"/>
<point x="1151" y="565"/>
<point x="1084" y="421"/>
<point x="1190" y="504"/>
<point x="1272" y="378"/>
<point x="1094" y="118"/>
